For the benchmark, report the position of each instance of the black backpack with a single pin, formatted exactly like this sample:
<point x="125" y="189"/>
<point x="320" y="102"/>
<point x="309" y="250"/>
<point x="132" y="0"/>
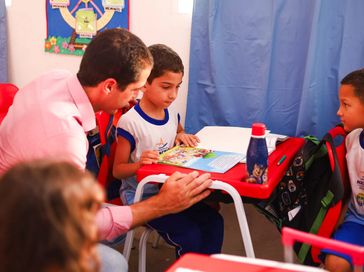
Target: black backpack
<point x="309" y="196"/>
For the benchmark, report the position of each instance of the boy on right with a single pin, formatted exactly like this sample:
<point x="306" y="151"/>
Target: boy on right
<point x="351" y="113"/>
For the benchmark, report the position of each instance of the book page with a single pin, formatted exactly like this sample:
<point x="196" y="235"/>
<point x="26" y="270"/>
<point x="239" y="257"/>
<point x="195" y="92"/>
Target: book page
<point x="273" y="139"/>
<point x="200" y="159"/>
<point x="232" y="139"/>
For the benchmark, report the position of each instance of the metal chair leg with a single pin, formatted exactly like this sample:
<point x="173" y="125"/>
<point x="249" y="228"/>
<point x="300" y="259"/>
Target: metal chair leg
<point x="156" y="241"/>
<point x="143" y="249"/>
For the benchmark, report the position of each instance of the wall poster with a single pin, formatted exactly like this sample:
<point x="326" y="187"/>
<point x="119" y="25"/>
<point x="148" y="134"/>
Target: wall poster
<point x="71" y="24"/>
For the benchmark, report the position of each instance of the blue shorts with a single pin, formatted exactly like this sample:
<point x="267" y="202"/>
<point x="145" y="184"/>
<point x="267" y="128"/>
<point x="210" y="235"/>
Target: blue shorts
<point x="349" y="232"/>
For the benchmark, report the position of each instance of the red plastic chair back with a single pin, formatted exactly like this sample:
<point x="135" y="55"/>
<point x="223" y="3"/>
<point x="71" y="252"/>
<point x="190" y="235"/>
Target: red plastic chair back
<point x="107" y="124"/>
<point x="7" y="93"/>
<point x="289" y="236"/>
<point x="105" y="172"/>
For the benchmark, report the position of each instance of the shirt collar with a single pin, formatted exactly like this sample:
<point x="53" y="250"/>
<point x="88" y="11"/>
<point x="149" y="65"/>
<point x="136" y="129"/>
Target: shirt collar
<point x="82" y="103"/>
<point x="149" y="119"/>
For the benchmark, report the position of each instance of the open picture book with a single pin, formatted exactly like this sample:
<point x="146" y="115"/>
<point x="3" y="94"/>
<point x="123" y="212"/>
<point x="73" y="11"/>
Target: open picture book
<point x="233" y="139"/>
<point x="220" y="148"/>
<point x="200" y="158"/>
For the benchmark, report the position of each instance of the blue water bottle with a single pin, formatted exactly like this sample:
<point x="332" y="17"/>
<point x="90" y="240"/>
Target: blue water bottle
<point x="257" y="155"/>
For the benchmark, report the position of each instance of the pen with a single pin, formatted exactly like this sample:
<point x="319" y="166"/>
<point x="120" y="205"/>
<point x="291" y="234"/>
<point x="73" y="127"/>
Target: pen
<point x="281" y="160"/>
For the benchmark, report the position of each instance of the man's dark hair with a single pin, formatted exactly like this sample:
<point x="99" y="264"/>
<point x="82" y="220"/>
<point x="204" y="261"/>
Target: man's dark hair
<point x="165" y="60"/>
<point x="356" y="79"/>
<point x="114" y="53"/>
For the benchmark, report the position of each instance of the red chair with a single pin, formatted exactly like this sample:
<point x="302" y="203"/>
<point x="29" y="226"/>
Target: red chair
<point x="290" y="236"/>
<point x="7" y="93"/>
<point x="107" y="124"/>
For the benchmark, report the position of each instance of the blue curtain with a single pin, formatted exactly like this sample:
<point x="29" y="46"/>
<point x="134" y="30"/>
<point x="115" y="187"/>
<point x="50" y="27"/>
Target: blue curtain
<point x="275" y="61"/>
<point x="3" y="44"/>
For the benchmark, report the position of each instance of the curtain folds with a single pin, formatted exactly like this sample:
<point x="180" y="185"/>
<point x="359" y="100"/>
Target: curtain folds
<point x="275" y="61"/>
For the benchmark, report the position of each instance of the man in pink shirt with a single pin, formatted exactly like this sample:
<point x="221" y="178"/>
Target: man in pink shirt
<point x="51" y="116"/>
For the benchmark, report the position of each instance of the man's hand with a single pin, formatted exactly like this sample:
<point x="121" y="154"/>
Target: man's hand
<point x="178" y="193"/>
<point x="181" y="191"/>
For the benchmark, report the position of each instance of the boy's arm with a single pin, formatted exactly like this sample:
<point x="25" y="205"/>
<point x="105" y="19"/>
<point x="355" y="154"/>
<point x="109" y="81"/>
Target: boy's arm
<point x="180" y="129"/>
<point x="122" y="168"/>
<point x="184" y="138"/>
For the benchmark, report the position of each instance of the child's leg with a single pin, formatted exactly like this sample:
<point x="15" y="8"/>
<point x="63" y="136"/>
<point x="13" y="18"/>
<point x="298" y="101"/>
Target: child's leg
<point x="178" y="231"/>
<point x="349" y="232"/>
<point x="198" y="229"/>
<point x="211" y="224"/>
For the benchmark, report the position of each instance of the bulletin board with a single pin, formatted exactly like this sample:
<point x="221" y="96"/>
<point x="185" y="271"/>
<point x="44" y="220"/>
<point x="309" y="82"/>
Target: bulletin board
<point x="71" y="24"/>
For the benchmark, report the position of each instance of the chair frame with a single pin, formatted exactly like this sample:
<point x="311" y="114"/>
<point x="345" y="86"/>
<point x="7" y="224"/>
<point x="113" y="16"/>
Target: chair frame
<point x="216" y="184"/>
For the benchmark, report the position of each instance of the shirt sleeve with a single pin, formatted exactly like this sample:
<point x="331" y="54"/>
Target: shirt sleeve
<point x="125" y="129"/>
<point x="113" y="221"/>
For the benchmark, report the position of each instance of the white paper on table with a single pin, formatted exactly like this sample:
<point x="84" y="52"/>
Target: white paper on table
<point x="232" y="139"/>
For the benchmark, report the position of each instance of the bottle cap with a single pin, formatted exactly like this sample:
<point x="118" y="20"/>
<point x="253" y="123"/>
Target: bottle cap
<point x="258" y="129"/>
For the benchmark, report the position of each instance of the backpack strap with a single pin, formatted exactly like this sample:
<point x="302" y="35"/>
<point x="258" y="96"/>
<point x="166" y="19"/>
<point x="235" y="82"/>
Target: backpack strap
<point x="105" y="140"/>
<point x="326" y="202"/>
<point x="336" y="179"/>
<point x="331" y="197"/>
<point x="110" y="132"/>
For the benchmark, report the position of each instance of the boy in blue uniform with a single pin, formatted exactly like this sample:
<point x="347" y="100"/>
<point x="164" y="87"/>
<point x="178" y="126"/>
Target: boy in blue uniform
<point x="149" y="129"/>
<point x="351" y="113"/>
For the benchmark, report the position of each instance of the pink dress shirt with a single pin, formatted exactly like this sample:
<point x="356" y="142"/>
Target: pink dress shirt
<point x="49" y="119"/>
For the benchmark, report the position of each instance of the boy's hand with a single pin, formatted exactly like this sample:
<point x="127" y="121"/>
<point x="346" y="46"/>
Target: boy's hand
<point x="149" y="157"/>
<point x="186" y="139"/>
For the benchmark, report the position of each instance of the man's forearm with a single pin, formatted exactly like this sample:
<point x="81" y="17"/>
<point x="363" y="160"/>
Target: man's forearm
<point x="147" y="210"/>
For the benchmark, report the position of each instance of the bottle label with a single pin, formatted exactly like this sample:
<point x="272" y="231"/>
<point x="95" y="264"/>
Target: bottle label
<point x="258" y="174"/>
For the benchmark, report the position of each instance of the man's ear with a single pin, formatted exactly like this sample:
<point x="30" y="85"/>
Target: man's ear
<point x="108" y="85"/>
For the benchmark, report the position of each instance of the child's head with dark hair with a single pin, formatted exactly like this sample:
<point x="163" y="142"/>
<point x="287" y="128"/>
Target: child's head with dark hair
<point x="47" y="219"/>
<point x="163" y="83"/>
<point x="165" y="60"/>
<point x="351" y="97"/>
<point x="114" y="53"/>
<point x="355" y="79"/>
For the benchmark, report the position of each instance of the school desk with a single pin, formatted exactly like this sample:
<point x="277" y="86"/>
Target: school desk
<point x="231" y="182"/>
<point x="192" y="262"/>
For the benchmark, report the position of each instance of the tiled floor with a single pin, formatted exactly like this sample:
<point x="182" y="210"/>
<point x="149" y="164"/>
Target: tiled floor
<point x="266" y="241"/>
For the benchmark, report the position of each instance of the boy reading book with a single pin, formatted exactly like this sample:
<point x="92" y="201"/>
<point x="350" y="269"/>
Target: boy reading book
<point x="147" y="130"/>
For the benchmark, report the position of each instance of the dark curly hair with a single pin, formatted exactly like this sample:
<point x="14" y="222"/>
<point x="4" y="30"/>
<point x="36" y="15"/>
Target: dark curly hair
<point x="114" y="53"/>
<point x="356" y="79"/>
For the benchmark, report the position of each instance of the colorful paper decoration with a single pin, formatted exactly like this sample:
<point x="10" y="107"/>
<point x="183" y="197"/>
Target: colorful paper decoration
<point x="71" y="24"/>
